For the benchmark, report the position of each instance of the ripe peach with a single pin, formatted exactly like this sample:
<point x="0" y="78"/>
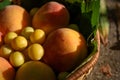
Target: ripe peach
<point x="7" y="72"/>
<point x="13" y="18"/>
<point x="51" y="16"/>
<point x="35" y="70"/>
<point x="64" y="48"/>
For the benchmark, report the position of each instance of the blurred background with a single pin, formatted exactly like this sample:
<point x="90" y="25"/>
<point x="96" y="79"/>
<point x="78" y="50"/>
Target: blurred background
<point x="108" y="65"/>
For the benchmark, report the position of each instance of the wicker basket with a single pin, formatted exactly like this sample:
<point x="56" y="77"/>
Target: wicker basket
<point x="81" y="73"/>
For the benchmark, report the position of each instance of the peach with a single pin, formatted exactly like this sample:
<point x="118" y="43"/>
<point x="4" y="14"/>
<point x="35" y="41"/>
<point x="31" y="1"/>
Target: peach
<point x="7" y="72"/>
<point x="35" y="70"/>
<point x="64" y="49"/>
<point x="51" y="16"/>
<point x="13" y="18"/>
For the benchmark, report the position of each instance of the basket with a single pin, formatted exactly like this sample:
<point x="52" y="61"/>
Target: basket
<point x="81" y="73"/>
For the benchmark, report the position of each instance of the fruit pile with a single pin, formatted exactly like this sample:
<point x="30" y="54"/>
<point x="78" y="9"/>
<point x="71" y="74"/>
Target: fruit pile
<point x="39" y="45"/>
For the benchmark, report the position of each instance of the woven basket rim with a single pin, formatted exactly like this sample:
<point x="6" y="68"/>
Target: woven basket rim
<point x="85" y="68"/>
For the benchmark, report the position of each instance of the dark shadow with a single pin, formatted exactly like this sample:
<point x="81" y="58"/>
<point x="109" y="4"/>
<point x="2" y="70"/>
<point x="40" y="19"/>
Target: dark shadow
<point x="116" y="46"/>
<point x="118" y="0"/>
<point x="1" y="0"/>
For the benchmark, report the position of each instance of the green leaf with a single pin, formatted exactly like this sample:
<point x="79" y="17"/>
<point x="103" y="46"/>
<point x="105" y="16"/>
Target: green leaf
<point x="86" y="6"/>
<point x="96" y="12"/>
<point x="73" y="1"/>
<point x="91" y="8"/>
<point x="4" y="3"/>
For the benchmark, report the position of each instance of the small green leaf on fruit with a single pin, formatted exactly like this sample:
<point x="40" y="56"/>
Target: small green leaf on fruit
<point x="4" y="3"/>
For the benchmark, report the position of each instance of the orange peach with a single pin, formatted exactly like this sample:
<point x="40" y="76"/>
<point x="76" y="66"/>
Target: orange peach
<point x="64" y="49"/>
<point x="7" y="72"/>
<point x="51" y="16"/>
<point x="13" y="18"/>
